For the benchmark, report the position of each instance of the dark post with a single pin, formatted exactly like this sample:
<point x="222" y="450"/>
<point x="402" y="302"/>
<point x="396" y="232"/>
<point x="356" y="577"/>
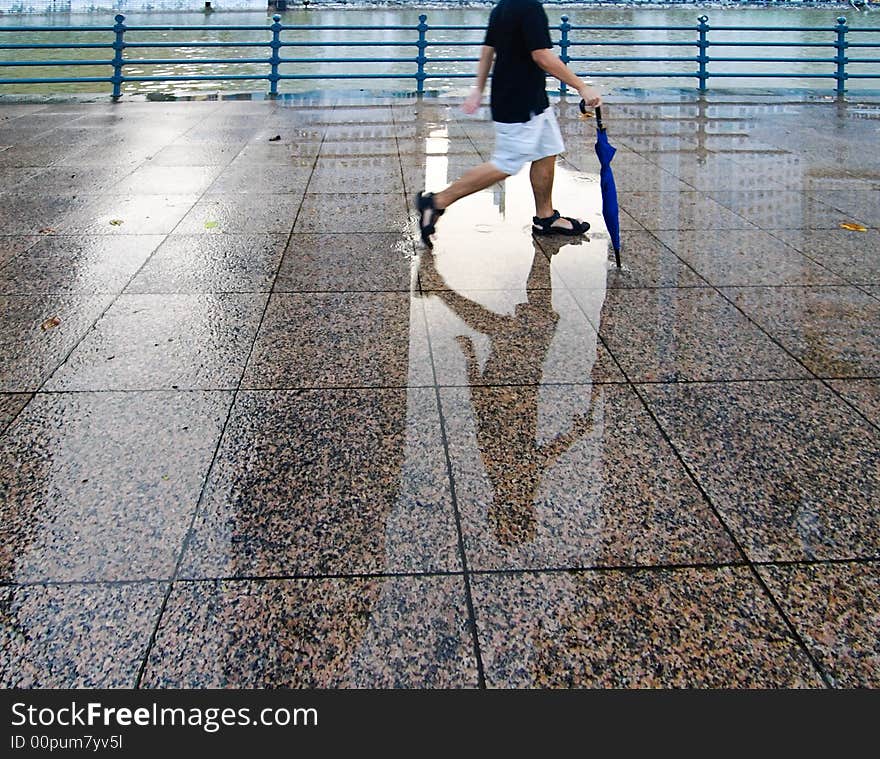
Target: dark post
<point x="275" y="59"/>
<point x="422" y="59"/>
<point x="118" y="48"/>
<point x="703" y="57"/>
<point x="564" y="28"/>
<point x="841" y="44"/>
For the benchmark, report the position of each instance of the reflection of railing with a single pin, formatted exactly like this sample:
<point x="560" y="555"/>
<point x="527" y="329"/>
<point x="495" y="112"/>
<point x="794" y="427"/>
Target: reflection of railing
<point x="841" y="40"/>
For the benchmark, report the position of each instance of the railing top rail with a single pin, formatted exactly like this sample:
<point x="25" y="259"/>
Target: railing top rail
<point x="258" y="27"/>
<point x="59" y="28"/>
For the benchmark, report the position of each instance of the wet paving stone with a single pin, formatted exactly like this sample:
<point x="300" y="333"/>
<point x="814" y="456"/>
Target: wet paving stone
<point x="780" y="209"/>
<point x="791" y="469"/>
<point x="128" y="215"/>
<point x="834" y="608"/>
<point x="242" y="177"/>
<point x="680" y="210"/>
<point x="150" y="342"/>
<point x="851" y="255"/>
<point x="29" y="214"/>
<point x="697" y="628"/>
<point x="12" y="245"/>
<point x="157" y="180"/>
<point x="360" y="632"/>
<point x="833" y="331"/>
<point x="550" y="477"/>
<point x="380" y="341"/>
<point x="38" y="331"/>
<point x="340" y="175"/>
<point x="346" y="263"/>
<point x="211" y="263"/>
<point x="10" y="405"/>
<point x="863" y="394"/>
<point x="70" y="264"/>
<point x="103" y="486"/>
<point x="240" y="214"/>
<point x="343" y="213"/>
<point x="327" y="482"/>
<point x="76" y="636"/>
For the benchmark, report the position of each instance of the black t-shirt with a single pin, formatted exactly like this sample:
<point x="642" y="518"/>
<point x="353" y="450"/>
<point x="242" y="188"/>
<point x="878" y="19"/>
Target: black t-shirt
<point x="519" y="85"/>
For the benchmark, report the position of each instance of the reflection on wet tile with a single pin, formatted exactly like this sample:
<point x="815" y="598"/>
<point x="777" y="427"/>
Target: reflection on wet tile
<point x="346" y="263"/>
<point x="38" y="331"/>
<point x="863" y="394"/>
<point x="706" y="628"/>
<point x="746" y="257"/>
<point x="834" y="331"/>
<point x="572" y="477"/>
<point x="378" y="340"/>
<point x="327" y="482"/>
<point x="75" y="179"/>
<point x="339" y="175"/>
<point x="195" y="155"/>
<point x="684" y="334"/>
<point x="852" y="255"/>
<point x="102" y="486"/>
<point x="219" y="214"/>
<point x="157" y="180"/>
<point x="790" y="467"/>
<point x="211" y="263"/>
<point x="780" y="209"/>
<point x="76" y="636"/>
<point x="513" y="337"/>
<point x="364" y="632"/>
<point x="147" y="342"/>
<point x="60" y="264"/>
<point x="857" y="205"/>
<point x="352" y="213"/>
<point x="129" y="215"/>
<point x="680" y="210"/>
<point x="834" y="608"/>
<point x="241" y="177"/>
<point x="10" y="405"/>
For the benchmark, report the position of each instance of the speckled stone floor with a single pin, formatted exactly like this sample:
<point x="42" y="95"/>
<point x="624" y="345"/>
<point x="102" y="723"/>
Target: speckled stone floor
<point x="252" y="434"/>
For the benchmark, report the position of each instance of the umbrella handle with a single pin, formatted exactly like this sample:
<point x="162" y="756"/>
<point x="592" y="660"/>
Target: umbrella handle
<point x="599" y="125"/>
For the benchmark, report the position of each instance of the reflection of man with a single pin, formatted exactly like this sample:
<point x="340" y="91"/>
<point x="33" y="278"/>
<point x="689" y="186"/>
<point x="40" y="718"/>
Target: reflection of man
<point x="507" y="419"/>
<point x="526" y="131"/>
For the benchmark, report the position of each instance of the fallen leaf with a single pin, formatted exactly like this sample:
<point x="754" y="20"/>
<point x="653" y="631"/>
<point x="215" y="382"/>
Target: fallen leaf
<point x="47" y="231"/>
<point x="276" y="138"/>
<point x="50" y="323"/>
<point x="853" y="226"/>
<point x="212" y="224"/>
<point x="116" y="222"/>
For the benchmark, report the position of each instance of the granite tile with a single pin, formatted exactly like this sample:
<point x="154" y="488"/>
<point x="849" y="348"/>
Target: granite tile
<point x="687" y="628"/>
<point x="150" y="342"/>
<point x="87" y="264"/>
<point x="369" y="175"/>
<point x="128" y="215"/>
<point x="239" y="214"/>
<point x="346" y="263"/>
<point x="833" y="331"/>
<point x="29" y="353"/>
<point x="780" y="209"/>
<point x="345" y="213"/>
<point x="195" y="155"/>
<point x="855" y="256"/>
<point x="32" y="213"/>
<point x="680" y="210"/>
<point x="683" y="334"/>
<point x="364" y="146"/>
<point x="12" y="245"/>
<point x="76" y="636"/>
<point x="150" y="179"/>
<point x="513" y="337"/>
<point x="291" y="147"/>
<point x="409" y="632"/>
<point x="863" y="394"/>
<point x="791" y="468"/>
<point x="243" y="178"/>
<point x="10" y="405"/>
<point x="834" y="608"/>
<point x="75" y="179"/>
<point x="856" y="204"/>
<point x="746" y="257"/>
<point x="378" y="339"/>
<point x="574" y="476"/>
<point x="24" y="154"/>
<point x="327" y="482"/>
<point x="211" y="263"/>
<point x="103" y="486"/>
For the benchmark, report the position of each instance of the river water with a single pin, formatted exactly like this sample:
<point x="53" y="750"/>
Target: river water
<point x="321" y="51"/>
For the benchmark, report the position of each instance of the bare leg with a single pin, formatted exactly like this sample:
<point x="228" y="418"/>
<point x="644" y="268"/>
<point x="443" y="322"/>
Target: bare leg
<point x="541" y="176"/>
<point x="478" y="178"/>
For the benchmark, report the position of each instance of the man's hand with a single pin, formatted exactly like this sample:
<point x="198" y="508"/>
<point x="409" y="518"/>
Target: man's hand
<point x="591" y="96"/>
<point x="472" y="104"/>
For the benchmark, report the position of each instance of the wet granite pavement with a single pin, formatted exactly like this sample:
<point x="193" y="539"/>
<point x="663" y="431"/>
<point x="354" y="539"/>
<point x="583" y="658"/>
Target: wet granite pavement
<point x="253" y="434"/>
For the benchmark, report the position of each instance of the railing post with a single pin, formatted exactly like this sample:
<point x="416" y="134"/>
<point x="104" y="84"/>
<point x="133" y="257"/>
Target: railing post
<point x="841" y="44"/>
<point x="422" y="59"/>
<point x="275" y="58"/>
<point x="564" y="28"/>
<point x="703" y="57"/>
<point x="118" y="48"/>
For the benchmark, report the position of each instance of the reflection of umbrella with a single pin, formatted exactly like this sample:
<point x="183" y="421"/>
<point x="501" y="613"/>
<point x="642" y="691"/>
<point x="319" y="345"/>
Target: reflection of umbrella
<point x="605" y="151"/>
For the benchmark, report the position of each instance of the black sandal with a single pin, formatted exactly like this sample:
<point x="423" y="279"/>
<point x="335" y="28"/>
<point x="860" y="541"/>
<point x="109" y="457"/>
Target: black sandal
<point x="545" y="226"/>
<point x="428" y="215"/>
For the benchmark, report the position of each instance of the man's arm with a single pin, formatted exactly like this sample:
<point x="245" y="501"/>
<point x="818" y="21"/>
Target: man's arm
<point x="487" y="58"/>
<point x="553" y="65"/>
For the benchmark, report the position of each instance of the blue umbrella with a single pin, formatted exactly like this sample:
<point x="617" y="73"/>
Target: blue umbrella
<point x="610" y="212"/>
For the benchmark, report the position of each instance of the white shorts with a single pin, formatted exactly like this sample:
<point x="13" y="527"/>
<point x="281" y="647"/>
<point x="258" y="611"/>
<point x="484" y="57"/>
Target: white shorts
<point x="519" y="144"/>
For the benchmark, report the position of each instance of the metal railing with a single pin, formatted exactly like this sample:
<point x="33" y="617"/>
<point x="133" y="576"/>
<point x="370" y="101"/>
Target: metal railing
<point x="693" y="64"/>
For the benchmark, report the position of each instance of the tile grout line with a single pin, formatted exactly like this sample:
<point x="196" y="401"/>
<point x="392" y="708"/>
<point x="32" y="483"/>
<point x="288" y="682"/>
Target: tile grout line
<point x="209" y="469"/>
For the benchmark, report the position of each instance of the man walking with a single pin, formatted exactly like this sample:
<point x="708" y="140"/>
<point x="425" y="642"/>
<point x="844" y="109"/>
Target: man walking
<point x="518" y="42"/>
